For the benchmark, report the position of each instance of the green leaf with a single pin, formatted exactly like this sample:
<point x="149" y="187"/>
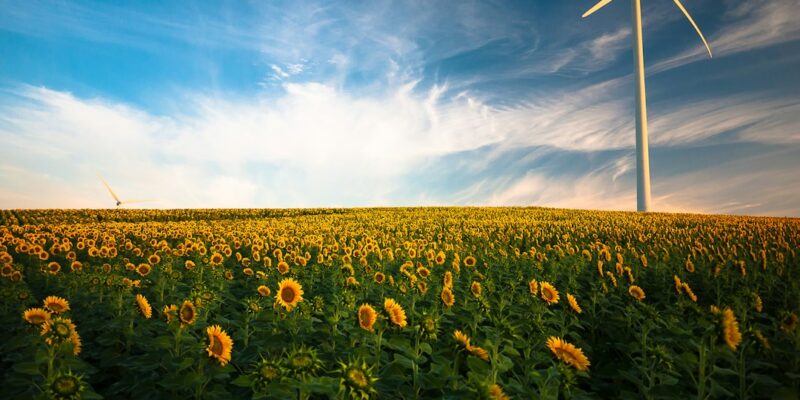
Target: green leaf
<point x="27" y="368"/>
<point x="243" y="381"/>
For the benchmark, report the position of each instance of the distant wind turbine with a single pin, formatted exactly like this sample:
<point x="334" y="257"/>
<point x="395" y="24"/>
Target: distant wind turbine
<point x="120" y="202"/>
<point x="642" y="152"/>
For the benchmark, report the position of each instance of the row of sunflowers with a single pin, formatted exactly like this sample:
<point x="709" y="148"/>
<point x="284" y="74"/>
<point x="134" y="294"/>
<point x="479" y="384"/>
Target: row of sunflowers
<point x="491" y="303"/>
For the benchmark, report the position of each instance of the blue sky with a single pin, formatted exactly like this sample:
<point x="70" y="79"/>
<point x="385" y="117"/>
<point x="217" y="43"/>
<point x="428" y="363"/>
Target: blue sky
<point x="380" y="103"/>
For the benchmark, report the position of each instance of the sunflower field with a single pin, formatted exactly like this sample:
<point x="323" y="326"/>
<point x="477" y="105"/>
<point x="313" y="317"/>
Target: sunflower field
<point x="397" y="303"/>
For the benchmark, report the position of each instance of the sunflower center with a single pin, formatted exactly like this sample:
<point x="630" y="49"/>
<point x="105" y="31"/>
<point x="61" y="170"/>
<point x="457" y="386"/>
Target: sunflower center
<point x="65" y="385"/>
<point x="357" y="377"/>
<point x="301" y="361"/>
<point x="287" y="294"/>
<point x="269" y="372"/>
<point x="37" y="319"/>
<point x="62" y="330"/>
<point x="216" y="345"/>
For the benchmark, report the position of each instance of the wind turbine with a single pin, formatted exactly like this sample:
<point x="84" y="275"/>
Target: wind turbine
<point x="642" y="152"/>
<point x="120" y="202"/>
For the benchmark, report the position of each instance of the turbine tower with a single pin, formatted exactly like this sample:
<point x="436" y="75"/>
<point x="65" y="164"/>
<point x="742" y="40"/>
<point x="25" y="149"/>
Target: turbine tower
<point x="642" y="152"/>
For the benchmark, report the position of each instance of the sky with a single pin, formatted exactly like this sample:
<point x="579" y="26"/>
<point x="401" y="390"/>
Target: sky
<point x="397" y="103"/>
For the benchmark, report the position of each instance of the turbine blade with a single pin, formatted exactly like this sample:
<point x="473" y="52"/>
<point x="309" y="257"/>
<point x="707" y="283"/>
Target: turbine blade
<point x="599" y="5"/>
<point x="109" y="188"/>
<point x="689" y="17"/>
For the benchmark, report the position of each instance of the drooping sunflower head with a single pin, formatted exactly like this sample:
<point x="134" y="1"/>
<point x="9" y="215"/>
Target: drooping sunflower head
<point x="264" y="291"/>
<point x="56" y="305"/>
<point x="461" y="338"/>
<point x="367" y="317"/>
<point x="187" y="313"/>
<point x="36" y="316"/>
<point x="730" y="329"/>
<point x="357" y="380"/>
<point x="549" y="293"/>
<point x="568" y="353"/>
<point x="573" y="303"/>
<point x="189" y="265"/>
<point x="144" y="306"/>
<point x="66" y="386"/>
<point x="636" y="292"/>
<point x="479" y="352"/>
<point x="495" y="392"/>
<point x="290" y="293"/>
<point x="220" y="344"/>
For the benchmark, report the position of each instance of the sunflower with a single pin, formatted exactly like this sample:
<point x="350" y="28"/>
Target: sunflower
<point x="759" y="304"/>
<point x="533" y="287"/>
<point x="290" y="293"/>
<point x="144" y="306"/>
<point x="357" y="380"/>
<point x="379" y="277"/>
<point x="366" y="317"/>
<point x="476" y="289"/>
<point x="170" y="313"/>
<point x="568" y="353"/>
<point x="423" y="272"/>
<point x="58" y="330"/>
<point x="304" y="361"/>
<point x="636" y="292"/>
<point x="448" y="279"/>
<point x="549" y="293"/>
<point x="56" y="304"/>
<point x="495" y="392"/>
<point x="440" y="258"/>
<point x="689" y="292"/>
<point x="53" y="268"/>
<point x="479" y="352"/>
<point x="396" y="313"/>
<point x="219" y="344"/>
<point x="267" y="371"/>
<point x="144" y="269"/>
<point x="66" y="386"/>
<point x="154" y="259"/>
<point x="447" y="297"/>
<point x="573" y="303"/>
<point x="189" y="265"/>
<point x="187" y="313"/>
<point x="36" y="316"/>
<point x="283" y="267"/>
<point x="462" y="338"/>
<point x="216" y="259"/>
<point x="351" y="281"/>
<point x="730" y="329"/>
<point x="264" y="291"/>
<point x="678" y="284"/>
<point x="469" y="261"/>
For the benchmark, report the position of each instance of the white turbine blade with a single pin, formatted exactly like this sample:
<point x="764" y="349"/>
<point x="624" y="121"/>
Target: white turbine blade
<point x="109" y="189"/>
<point x="599" y="5"/>
<point x="689" y="17"/>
